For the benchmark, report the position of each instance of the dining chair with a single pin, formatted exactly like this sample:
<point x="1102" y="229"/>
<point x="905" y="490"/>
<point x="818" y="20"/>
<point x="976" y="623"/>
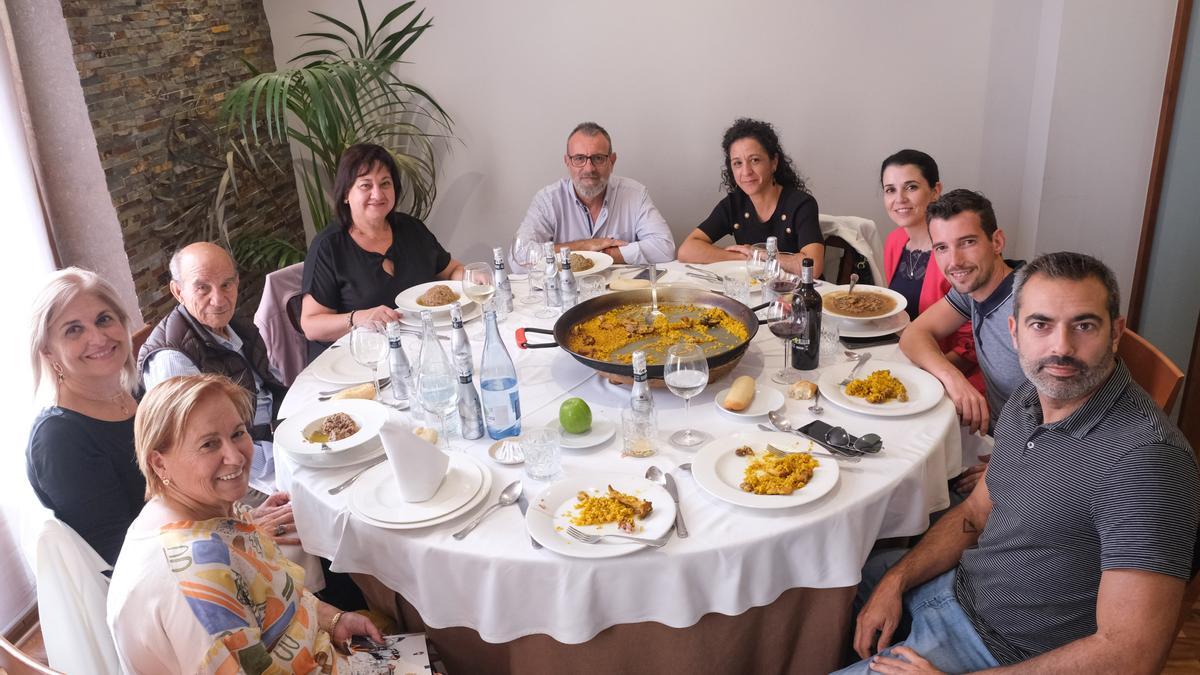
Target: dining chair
<point x="140" y="336"/>
<point x="1150" y="368"/>
<point x="16" y="662"/>
<point x="847" y="233"/>
<point x="278" y="321"/>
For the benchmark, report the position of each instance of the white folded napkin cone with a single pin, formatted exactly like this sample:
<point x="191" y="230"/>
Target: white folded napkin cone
<point x="418" y="465"/>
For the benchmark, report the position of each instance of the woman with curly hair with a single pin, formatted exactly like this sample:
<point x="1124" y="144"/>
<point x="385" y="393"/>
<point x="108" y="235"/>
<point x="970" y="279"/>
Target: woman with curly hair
<point x="767" y="197"/>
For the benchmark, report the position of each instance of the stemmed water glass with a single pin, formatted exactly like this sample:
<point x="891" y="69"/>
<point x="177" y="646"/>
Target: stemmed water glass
<point x="756" y="264"/>
<point x="686" y="375"/>
<point x="786" y="325"/>
<point x="479" y="282"/>
<point x="527" y="253"/>
<point x="369" y="347"/>
<point x="437" y="386"/>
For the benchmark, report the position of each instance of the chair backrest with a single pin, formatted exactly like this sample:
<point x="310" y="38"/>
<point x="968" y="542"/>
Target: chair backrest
<point x="846" y="264"/>
<point x="278" y="321"/>
<point x="854" y="233"/>
<point x="140" y="336"/>
<point x="1151" y="369"/>
<point x="16" y="662"/>
<point x="72" y="594"/>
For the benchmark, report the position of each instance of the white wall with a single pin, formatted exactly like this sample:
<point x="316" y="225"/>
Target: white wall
<point x="1002" y="94"/>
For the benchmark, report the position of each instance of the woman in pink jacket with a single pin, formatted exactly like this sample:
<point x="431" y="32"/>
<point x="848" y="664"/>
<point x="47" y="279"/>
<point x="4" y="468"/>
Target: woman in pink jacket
<point x="910" y="182"/>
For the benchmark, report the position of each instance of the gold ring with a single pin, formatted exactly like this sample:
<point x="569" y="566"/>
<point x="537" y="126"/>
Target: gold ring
<point x="279" y="530"/>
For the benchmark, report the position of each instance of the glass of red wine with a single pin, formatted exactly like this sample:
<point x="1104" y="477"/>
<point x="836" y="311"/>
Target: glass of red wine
<point x="785" y="325"/>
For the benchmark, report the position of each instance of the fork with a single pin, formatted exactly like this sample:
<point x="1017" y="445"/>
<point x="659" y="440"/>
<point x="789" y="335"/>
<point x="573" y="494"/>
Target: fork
<point x="350" y="481"/>
<point x="380" y="383"/>
<point x="862" y="360"/>
<point x="586" y="538"/>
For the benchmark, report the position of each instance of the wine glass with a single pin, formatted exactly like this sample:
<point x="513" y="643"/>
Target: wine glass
<point x="756" y="263"/>
<point x="527" y="254"/>
<point x="479" y="282"/>
<point x="369" y="347"/>
<point x="686" y="375"/>
<point x="437" y="387"/>
<point x="786" y="325"/>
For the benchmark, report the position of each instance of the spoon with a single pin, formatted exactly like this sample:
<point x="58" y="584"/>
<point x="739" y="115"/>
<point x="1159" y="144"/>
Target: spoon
<point x="686" y="466"/>
<point x="852" y="459"/>
<point x="655" y="475"/>
<point x="508" y="497"/>
<point x="782" y="424"/>
<point x="853" y="280"/>
<point x="816" y="408"/>
<point x="851" y="356"/>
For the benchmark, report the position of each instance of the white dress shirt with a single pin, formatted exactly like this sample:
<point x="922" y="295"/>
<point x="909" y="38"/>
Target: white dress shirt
<point x="558" y="215"/>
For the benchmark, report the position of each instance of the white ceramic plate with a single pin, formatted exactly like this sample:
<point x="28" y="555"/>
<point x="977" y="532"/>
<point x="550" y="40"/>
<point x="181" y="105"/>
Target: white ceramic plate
<point x="901" y="301"/>
<point x="549" y="516"/>
<point x="376" y="496"/>
<point x="719" y="472"/>
<point x="484" y="491"/>
<point x="601" y="431"/>
<point x="406" y="301"/>
<point x="368" y="415"/>
<point x="441" y="319"/>
<point x="924" y="390"/>
<point x="726" y="268"/>
<point x="873" y="327"/>
<point x="337" y="366"/>
<point x="336" y="460"/>
<point x="765" y="400"/>
<point x="602" y="261"/>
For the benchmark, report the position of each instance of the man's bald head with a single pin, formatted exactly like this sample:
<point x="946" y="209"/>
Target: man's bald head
<point x="204" y="280"/>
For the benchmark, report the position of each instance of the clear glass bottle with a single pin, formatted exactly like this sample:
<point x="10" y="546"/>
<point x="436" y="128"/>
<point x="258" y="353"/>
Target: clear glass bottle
<point x="437" y="384"/>
<point x="772" y="269"/>
<point x="470" y="410"/>
<point x="504" y="292"/>
<point x="460" y="344"/>
<point x="805" y="349"/>
<point x="639" y="423"/>
<point x="640" y="397"/>
<point x="550" y="276"/>
<point x="498" y="384"/>
<point x="401" y="370"/>
<point x="568" y="288"/>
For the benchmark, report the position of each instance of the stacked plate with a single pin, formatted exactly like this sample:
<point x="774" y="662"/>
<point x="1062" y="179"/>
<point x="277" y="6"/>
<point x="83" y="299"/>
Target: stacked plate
<point x="295" y="434"/>
<point x="337" y="366"/>
<point x="375" y="497"/>
<point x="406" y="302"/>
<point x="885" y="322"/>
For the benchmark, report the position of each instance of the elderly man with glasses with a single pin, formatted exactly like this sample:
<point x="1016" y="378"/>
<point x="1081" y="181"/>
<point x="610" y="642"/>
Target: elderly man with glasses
<point x="593" y="210"/>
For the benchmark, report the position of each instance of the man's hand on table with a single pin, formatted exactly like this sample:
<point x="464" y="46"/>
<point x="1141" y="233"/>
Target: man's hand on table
<point x="881" y="615"/>
<point x="971" y="405"/>
<point x="274" y="516"/>
<point x="910" y="662"/>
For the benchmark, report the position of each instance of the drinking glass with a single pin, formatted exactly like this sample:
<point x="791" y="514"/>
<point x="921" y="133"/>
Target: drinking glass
<point x="543" y="459"/>
<point x="780" y="286"/>
<point x="437" y="390"/>
<point x="737" y="286"/>
<point x="639" y="433"/>
<point x="591" y="286"/>
<point x="686" y="375"/>
<point x="831" y="335"/>
<point x="369" y="347"/>
<point x="479" y="282"/>
<point x="756" y="263"/>
<point x="785" y="324"/>
<point x="527" y="254"/>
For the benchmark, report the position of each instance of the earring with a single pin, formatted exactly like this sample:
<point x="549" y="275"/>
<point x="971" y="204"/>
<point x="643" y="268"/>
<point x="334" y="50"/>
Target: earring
<point x="58" y="370"/>
<point x="166" y="482"/>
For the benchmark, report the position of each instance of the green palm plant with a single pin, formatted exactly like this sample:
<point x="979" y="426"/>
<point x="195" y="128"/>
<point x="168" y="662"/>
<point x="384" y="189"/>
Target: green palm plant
<point x="345" y="93"/>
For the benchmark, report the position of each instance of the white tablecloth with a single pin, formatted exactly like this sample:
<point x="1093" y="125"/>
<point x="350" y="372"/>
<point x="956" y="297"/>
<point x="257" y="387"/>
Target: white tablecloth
<point x="494" y="582"/>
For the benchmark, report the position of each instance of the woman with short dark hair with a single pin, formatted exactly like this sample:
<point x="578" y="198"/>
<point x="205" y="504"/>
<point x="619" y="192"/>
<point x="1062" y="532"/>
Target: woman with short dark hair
<point x="766" y="198"/>
<point x="370" y="252"/>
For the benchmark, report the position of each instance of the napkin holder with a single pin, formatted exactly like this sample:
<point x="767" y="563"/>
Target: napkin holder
<point x="419" y="467"/>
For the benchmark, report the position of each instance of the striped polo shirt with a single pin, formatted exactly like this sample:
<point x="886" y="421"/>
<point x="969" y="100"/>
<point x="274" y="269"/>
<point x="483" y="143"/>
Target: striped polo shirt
<point x="1112" y="486"/>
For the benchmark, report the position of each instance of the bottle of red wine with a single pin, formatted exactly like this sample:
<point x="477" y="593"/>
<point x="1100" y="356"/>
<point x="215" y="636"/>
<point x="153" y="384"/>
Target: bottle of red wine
<point x="805" y="348"/>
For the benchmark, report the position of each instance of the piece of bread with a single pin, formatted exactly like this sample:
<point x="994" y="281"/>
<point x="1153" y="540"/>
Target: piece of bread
<point x="803" y="390"/>
<point x="741" y="394"/>
<point x="426" y="434"/>
<point x="619" y="284"/>
<point x="364" y="391"/>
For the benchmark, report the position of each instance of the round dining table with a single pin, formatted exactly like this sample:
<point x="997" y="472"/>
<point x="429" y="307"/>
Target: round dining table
<point x="749" y="590"/>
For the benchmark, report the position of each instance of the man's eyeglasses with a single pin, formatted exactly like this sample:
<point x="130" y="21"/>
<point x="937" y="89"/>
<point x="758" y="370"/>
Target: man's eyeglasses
<point x="580" y="160"/>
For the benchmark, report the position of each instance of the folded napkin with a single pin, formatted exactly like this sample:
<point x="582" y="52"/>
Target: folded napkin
<point x="418" y="465"/>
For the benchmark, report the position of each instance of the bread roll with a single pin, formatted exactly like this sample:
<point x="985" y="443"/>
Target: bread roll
<point x="803" y="390"/>
<point x="619" y="284"/>
<point x="364" y="391"/>
<point x="741" y="394"/>
<point x="426" y="434"/>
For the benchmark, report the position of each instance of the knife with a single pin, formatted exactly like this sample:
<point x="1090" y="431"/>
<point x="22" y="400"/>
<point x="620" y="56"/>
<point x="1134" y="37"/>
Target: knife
<point x="523" y="504"/>
<point x="850" y="376"/>
<point x="669" y="485"/>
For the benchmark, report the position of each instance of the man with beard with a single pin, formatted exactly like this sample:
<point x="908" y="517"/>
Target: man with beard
<point x="593" y="210"/>
<point x="1073" y="554"/>
<point x="968" y="245"/>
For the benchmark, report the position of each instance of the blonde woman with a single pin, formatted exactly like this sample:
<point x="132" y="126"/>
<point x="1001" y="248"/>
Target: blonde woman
<point x="198" y="587"/>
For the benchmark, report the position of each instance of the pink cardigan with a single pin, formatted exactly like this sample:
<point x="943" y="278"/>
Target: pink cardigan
<point x="935" y="287"/>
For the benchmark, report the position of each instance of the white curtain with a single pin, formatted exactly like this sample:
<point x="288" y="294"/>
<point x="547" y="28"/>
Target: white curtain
<point x="26" y="261"/>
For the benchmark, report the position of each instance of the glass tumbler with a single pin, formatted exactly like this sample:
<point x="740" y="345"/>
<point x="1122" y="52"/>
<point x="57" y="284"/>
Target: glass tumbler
<point x="639" y="434"/>
<point x="543" y="459"/>
<point x="737" y="286"/>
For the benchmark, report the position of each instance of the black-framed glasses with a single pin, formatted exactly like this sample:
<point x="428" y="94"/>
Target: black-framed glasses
<point x="580" y="160"/>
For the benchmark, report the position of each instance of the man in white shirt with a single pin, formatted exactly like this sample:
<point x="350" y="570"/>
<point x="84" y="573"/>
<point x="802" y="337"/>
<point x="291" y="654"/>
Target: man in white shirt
<point x="201" y="335"/>
<point x="593" y="210"/>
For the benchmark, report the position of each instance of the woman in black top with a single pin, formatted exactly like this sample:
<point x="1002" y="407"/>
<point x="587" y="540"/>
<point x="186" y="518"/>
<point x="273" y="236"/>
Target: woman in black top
<point x="766" y="197"/>
<point x="359" y="263"/>
<point x="81" y="460"/>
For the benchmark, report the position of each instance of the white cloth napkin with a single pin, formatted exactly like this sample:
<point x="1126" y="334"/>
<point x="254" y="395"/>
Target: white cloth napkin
<point x="418" y="465"/>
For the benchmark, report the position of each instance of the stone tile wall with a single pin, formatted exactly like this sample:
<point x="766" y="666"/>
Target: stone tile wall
<point x="153" y="67"/>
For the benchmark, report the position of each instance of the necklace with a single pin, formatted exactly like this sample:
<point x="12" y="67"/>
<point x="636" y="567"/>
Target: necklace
<point x="118" y="400"/>
<point x="914" y="262"/>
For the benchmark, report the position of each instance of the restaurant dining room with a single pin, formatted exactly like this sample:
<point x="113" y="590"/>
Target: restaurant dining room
<point x="342" y="343"/>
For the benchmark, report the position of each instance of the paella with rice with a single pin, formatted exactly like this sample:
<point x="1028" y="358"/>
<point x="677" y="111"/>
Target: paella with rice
<point x="613" y="335"/>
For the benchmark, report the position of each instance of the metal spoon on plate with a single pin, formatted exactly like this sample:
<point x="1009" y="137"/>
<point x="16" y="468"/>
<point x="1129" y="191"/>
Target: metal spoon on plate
<point x="508" y="497"/>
